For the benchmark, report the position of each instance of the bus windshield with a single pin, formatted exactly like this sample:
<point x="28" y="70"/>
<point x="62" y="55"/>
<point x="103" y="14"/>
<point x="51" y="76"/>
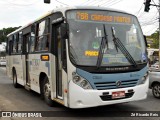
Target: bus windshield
<point x="88" y="28"/>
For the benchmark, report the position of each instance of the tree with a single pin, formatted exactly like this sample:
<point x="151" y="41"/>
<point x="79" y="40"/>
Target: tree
<point x="155" y="37"/>
<point x="5" y="31"/>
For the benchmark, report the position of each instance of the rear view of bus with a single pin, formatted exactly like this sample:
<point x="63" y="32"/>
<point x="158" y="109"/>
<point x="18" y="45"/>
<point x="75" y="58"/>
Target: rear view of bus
<point x="107" y="59"/>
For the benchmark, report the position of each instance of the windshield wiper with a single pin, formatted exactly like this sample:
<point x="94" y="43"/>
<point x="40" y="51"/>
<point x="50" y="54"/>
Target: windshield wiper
<point x="119" y="44"/>
<point x="104" y="43"/>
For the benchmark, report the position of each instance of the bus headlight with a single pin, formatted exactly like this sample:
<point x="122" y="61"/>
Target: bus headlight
<point x="84" y="83"/>
<point x="143" y="79"/>
<point x="81" y="81"/>
<point x="76" y="79"/>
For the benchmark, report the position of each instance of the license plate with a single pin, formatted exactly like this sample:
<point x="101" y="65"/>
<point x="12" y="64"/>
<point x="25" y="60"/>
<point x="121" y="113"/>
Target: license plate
<point x="119" y="94"/>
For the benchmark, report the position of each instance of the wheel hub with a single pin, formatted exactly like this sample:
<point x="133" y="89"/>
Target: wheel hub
<point x="47" y="90"/>
<point x="157" y="90"/>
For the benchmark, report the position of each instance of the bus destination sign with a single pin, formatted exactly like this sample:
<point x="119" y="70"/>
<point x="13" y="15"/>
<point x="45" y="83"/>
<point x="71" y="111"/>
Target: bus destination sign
<point x="85" y="16"/>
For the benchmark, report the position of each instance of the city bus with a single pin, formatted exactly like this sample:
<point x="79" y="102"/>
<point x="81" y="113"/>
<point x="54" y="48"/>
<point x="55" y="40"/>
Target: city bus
<point x="80" y="57"/>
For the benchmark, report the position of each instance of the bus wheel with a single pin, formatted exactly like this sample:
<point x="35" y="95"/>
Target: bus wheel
<point x="46" y="92"/>
<point x="16" y="85"/>
<point x="156" y="90"/>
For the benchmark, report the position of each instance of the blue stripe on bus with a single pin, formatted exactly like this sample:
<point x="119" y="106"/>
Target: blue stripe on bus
<point x="47" y="64"/>
<point x="129" y="77"/>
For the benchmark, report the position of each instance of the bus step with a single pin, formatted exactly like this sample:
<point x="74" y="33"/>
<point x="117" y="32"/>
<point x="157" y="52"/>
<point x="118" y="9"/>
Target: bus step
<point x="27" y="87"/>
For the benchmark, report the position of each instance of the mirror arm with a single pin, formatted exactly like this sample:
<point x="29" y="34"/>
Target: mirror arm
<point x="145" y="40"/>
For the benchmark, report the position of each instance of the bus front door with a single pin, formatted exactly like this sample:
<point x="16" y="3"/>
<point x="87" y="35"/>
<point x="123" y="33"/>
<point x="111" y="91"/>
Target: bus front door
<point x="58" y="66"/>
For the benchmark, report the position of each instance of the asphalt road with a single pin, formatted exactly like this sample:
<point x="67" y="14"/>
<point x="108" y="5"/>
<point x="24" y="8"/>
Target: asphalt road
<point x="12" y="99"/>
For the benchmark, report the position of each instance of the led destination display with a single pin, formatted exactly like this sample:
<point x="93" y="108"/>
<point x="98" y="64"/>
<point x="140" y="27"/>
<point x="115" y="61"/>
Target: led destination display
<point x="102" y="17"/>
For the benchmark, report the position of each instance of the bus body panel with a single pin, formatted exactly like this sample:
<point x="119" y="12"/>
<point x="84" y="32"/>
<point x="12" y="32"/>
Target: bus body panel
<point x="92" y="97"/>
<point x="8" y="67"/>
<point x="36" y="67"/>
<point x="15" y="62"/>
<point x="80" y="98"/>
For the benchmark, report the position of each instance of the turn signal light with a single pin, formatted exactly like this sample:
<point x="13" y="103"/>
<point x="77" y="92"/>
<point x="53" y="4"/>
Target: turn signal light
<point x="45" y="57"/>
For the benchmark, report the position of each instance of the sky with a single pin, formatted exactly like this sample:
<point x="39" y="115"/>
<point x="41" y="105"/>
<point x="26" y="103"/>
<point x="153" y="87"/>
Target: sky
<point x="16" y="13"/>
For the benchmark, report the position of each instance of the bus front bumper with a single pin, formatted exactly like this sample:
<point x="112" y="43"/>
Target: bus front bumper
<point x="81" y="98"/>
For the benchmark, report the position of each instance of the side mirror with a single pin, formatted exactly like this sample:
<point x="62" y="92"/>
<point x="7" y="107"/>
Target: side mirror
<point x="145" y="40"/>
<point x="64" y="30"/>
<point x="47" y="1"/>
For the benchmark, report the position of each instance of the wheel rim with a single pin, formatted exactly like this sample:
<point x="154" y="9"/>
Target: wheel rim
<point x="47" y="90"/>
<point x="156" y="90"/>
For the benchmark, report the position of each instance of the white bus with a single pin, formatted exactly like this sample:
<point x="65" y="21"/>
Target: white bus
<point x="80" y="57"/>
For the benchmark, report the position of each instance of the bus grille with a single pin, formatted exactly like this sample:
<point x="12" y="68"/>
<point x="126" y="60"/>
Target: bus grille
<point x="112" y="85"/>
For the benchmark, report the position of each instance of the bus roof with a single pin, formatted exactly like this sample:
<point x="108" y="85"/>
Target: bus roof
<point x="63" y="9"/>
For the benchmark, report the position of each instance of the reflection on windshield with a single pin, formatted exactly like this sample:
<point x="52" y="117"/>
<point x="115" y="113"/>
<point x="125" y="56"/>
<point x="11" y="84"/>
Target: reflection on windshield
<point x="85" y="39"/>
<point x="119" y="44"/>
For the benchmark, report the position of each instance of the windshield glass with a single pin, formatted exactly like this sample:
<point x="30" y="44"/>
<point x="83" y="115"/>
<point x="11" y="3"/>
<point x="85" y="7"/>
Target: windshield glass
<point x="86" y="32"/>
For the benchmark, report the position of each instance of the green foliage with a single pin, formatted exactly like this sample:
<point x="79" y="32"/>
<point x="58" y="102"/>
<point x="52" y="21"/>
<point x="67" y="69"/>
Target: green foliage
<point x="5" y="31"/>
<point x="155" y="37"/>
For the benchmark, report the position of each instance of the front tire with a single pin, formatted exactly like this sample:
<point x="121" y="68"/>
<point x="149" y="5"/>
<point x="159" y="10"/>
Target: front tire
<point x="156" y="90"/>
<point x="46" y="92"/>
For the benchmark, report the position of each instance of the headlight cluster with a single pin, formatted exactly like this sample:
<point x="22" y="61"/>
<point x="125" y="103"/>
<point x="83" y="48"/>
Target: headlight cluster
<point x="81" y="81"/>
<point x="143" y="79"/>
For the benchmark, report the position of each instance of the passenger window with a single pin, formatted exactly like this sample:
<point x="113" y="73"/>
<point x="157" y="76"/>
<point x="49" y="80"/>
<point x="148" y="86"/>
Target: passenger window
<point x="32" y="39"/>
<point x="32" y="42"/>
<point x="10" y="45"/>
<point x="42" y="43"/>
<point x="20" y="42"/>
<point x="14" y="43"/>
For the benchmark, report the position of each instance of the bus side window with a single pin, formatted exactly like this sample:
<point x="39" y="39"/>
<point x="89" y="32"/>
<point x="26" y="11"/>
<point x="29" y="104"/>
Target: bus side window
<point x="42" y="42"/>
<point x="32" y="39"/>
<point x="32" y="43"/>
<point x="10" y="46"/>
<point x="36" y="37"/>
<point x="19" y="42"/>
<point x="7" y="41"/>
<point x="14" y="44"/>
<point x="47" y="34"/>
